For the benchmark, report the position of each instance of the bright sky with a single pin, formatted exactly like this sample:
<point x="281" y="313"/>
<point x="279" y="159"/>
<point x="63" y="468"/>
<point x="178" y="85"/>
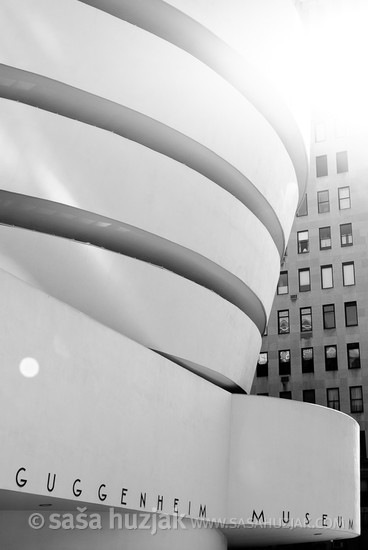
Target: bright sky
<point x="338" y="39"/>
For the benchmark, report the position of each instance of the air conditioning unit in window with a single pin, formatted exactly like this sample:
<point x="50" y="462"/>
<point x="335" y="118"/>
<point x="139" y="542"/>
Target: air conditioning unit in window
<point x="293" y="297"/>
<point x="284" y="379"/>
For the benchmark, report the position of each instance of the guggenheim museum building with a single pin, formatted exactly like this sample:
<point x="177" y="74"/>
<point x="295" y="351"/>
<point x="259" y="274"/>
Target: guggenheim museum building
<point x="152" y="157"/>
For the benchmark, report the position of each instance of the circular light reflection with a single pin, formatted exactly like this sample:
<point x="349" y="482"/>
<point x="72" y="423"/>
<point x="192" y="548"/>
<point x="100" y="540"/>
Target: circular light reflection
<point x="29" y="367"/>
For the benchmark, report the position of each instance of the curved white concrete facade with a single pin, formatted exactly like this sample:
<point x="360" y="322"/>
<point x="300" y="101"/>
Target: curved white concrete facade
<point x="151" y="305"/>
<point x="44" y="156"/>
<point x="149" y="179"/>
<point x="234" y="39"/>
<point x="197" y="101"/>
<point x="305" y="499"/>
<point x="144" y="420"/>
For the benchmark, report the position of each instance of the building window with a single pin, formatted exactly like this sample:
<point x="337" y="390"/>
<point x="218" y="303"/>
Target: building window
<point x="283" y="321"/>
<point x="342" y="162"/>
<point x="363" y="445"/>
<point x="319" y="132"/>
<point x="285" y="394"/>
<point x="329" y="316"/>
<point x="324" y="238"/>
<point x="326" y="276"/>
<point x="340" y="128"/>
<point x="283" y="284"/>
<point x="321" y="166"/>
<point x="307" y="360"/>
<point x="331" y="357"/>
<point x="303" y="208"/>
<point x="304" y="280"/>
<point x="262" y="364"/>
<point x="346" y="234"/>
<point x="351" y="314"/>
<point x="305" y="319"/>
<point x="303" y="242"/>
<point x="333" y="398"/>
<point x="353" y="355"/>
<point x="284" y="362"/>
<point x="344" y="198"/>
<point x="356" y="399"/>
<point x="309" y="396"/>
<point x="323" y="198"/>
<point x="348" y="274"/>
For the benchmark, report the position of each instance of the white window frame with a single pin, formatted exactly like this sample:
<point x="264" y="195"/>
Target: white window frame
<point x="326" y="277"/>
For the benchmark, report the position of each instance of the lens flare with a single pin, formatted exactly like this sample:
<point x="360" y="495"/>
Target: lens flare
<point x="29" y="367"/>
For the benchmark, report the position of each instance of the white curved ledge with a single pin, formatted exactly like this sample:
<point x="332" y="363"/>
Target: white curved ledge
<point x="151" y="305"/>
<point x="308" y="491"/>
<point x="184" y="94"/>
<point x="56" y="219"/>
<point x="56" y="97"/>
<point x="50" y="157"/>
<point x="179" y="28"/>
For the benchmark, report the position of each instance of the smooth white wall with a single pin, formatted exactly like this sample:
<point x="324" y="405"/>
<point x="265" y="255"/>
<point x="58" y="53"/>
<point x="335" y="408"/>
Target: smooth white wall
<point x="270" y="36"/>
<point x="152" y="77"/>
<point x="55" y="158"/>
<point x="151" y="305"/>
<point x="16" y="534"/>
<point x="104" y="409"/>
<point x="299" y="457"/>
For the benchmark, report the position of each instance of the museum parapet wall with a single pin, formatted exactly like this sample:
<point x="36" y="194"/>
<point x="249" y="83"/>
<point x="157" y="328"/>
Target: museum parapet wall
<point x="152" y="158"/>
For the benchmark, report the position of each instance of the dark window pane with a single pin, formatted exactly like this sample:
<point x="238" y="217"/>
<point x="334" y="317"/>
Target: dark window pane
<point x="283" y="321"/>
<point x="329" y="316"/>
<point x="356" y="399"/>
<point x="333" y="398"/>
<point x="309" y="396"/>
<point x="353" y="351"/>
<point x="284" y="362"/>
<point x="363" y="445"/>
<point x="351" y="314"/>
<point x="262" y="364"/>
<point x="342" y="162"/>
<point x="324" y="237"/>
<point x="307" y="360"/>
<point x="303" y="242"/>
<point x="321" y="166"/>
<point x="285" y="394"/>
<point x="323" y="198"/>
<point x="305" y="319"/>
<point x="303" y="208"/>
<point x="346" y="234"/>
<point x="283" y="285"/>
<point x="330" y="357"/>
